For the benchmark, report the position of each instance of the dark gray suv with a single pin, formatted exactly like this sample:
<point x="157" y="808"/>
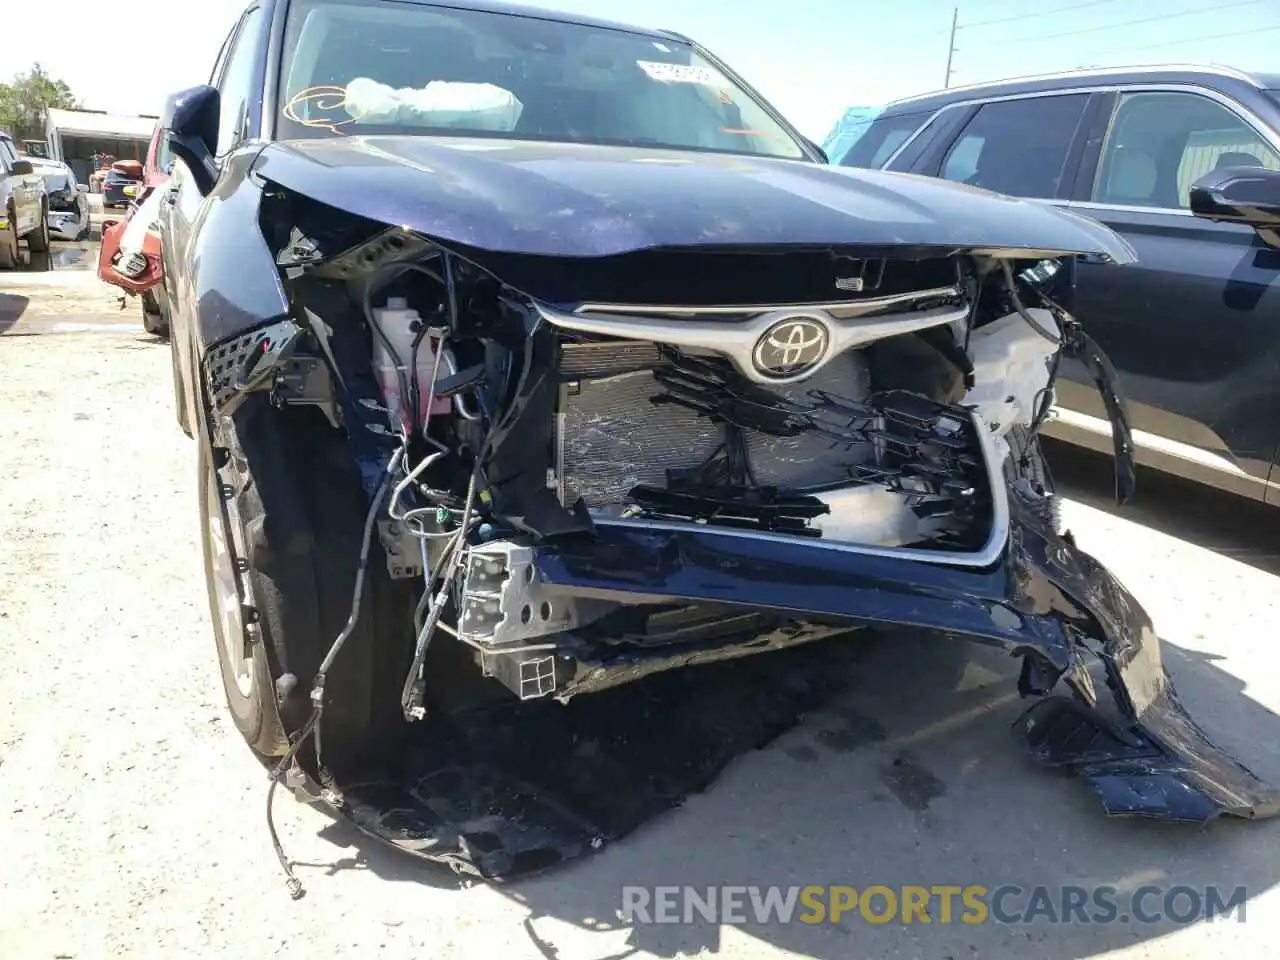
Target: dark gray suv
<point x="1194" y="327"/>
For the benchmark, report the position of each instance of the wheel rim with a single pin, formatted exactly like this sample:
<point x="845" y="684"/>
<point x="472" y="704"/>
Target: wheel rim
<point x="223" y="581"/>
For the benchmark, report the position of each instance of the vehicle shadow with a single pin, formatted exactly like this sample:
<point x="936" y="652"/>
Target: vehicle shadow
<point x="909" y="776"/>
<point x="71" y="255"/>
<point x="1231" y="526"/>
<point x="31" y="261"/>
<point x="12" y="307"/>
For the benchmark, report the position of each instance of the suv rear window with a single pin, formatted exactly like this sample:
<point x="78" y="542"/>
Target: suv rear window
<point x="882" y="139"/>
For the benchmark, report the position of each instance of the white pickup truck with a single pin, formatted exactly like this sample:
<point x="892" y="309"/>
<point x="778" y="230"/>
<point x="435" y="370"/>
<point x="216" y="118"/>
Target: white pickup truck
<point x="24" y="205"/>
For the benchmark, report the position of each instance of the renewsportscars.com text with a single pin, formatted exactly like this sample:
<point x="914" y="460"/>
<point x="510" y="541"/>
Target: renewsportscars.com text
<point x="938" y="903"/>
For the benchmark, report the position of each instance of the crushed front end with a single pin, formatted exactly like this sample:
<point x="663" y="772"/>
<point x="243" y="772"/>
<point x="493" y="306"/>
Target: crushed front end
<point x="600" y="471"/>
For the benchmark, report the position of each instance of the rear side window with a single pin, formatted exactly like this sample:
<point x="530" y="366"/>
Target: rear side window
<point x="882" y="139"/>
<point x="53" y="182"/>
<point x="1018" y="147"/>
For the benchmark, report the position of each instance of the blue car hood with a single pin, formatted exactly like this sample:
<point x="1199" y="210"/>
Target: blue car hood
<point x="581" y="200"/>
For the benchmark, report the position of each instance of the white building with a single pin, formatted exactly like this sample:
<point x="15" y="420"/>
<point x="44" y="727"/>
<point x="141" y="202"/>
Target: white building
<point x="74" y="136"/>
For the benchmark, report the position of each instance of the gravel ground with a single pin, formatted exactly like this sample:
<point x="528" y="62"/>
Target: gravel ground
<point x="131" y="815"/>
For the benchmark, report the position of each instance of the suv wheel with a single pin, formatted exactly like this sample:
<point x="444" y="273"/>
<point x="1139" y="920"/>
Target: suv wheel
<point x="10" y="255"/>
<point x="179" y="394"/>
<point x="246" y="676"/>
<point x="155" y="318"/>
<point x="38" y="239"/>
<point x="296" y="514"/>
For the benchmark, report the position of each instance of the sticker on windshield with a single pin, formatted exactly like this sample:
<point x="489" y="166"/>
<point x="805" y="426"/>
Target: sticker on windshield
<point x="680" y="73"/>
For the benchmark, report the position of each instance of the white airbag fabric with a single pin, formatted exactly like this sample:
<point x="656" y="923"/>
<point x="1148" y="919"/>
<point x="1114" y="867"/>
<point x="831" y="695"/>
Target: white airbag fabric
<point x="441" y="103"/>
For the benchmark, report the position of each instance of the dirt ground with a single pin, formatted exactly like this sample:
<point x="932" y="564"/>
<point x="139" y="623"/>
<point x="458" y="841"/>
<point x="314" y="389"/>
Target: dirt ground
<point x="132" y="816"/>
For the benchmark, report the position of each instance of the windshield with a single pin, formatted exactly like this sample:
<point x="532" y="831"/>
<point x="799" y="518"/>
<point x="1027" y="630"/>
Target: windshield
<point x="372" y="66"/>
<point x="54" y="180"/>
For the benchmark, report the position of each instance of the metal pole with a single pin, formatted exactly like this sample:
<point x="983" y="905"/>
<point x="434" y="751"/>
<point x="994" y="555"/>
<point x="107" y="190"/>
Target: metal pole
<point x="951" y="44"/>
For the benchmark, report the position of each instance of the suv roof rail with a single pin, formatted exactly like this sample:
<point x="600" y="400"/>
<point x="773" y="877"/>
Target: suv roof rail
<point x="1084" y="72"/>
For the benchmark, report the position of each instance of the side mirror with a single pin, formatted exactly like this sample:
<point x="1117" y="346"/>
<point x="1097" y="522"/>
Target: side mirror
<point x="21" y="168"/>
<point x="1248" y="195"/>
<point x="190" y="122"/>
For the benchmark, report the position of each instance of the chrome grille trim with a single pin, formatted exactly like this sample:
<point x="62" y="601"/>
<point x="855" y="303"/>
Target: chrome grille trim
<point x="737" y="339"/>
<point x="839" y="308"/>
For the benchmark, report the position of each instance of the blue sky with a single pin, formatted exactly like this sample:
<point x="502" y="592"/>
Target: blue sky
<point x="812" y="58"/>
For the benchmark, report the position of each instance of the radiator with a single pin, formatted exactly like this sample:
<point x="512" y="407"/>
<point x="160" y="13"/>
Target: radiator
<point x="612" y="437"/>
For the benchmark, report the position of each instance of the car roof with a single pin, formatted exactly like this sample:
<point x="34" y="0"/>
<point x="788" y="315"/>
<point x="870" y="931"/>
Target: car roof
<point x="560" y="16"/>
<point x="1202" y="74"/>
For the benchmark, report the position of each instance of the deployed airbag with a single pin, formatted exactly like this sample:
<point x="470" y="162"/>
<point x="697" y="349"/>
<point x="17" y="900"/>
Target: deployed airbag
<point x="441" y="103"/>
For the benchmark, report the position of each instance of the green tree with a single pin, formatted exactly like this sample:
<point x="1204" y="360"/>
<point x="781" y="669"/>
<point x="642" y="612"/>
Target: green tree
<point x="25" y="100"/>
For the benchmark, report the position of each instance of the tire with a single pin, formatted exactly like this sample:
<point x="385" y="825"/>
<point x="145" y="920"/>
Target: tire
<point x="38" y="239"/>
<point x="155" y="318"/>
<point x="10" y="255"/>
<point x="300" y="511"/>
<point x="179" y="392"/>
<point x="246" y="683"/>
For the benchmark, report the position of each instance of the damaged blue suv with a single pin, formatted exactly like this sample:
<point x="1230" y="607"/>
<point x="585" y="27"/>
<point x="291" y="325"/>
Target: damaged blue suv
<point x="527" y="356"/>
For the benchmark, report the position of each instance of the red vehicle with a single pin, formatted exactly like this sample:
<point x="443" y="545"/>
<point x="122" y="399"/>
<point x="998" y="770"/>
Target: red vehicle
<point x="155" y="171"/>
<point x="129" y="256"/>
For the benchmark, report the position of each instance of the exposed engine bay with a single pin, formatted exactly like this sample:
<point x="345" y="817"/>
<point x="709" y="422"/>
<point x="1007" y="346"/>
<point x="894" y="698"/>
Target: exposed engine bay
<point x="495" y="421"/>
<point x="700" y="455"/>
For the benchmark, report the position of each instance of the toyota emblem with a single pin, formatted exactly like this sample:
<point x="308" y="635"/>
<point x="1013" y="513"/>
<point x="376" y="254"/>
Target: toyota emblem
<point x="791" y="348"/>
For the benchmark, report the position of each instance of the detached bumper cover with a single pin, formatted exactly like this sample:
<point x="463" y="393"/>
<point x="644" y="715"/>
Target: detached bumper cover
<point x="1164" y="767"/>
<point x="525" y="786"/>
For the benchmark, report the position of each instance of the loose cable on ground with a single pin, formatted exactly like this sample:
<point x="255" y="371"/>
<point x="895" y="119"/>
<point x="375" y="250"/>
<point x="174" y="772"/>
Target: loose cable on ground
<point x="312" y="726"/>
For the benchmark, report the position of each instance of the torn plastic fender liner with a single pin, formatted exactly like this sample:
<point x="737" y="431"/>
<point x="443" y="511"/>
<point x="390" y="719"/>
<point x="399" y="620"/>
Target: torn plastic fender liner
<point x="1080" y="346"/>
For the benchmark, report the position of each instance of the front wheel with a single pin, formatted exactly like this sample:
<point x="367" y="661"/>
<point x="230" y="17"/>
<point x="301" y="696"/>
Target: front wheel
<point x="296" y="515"/>
<point x="38" y="239"/>
<point x="179" y="392"/>
<point x="10" y="255"/>
<point x="155" y="317"/>
<point x="246" y="675"/>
